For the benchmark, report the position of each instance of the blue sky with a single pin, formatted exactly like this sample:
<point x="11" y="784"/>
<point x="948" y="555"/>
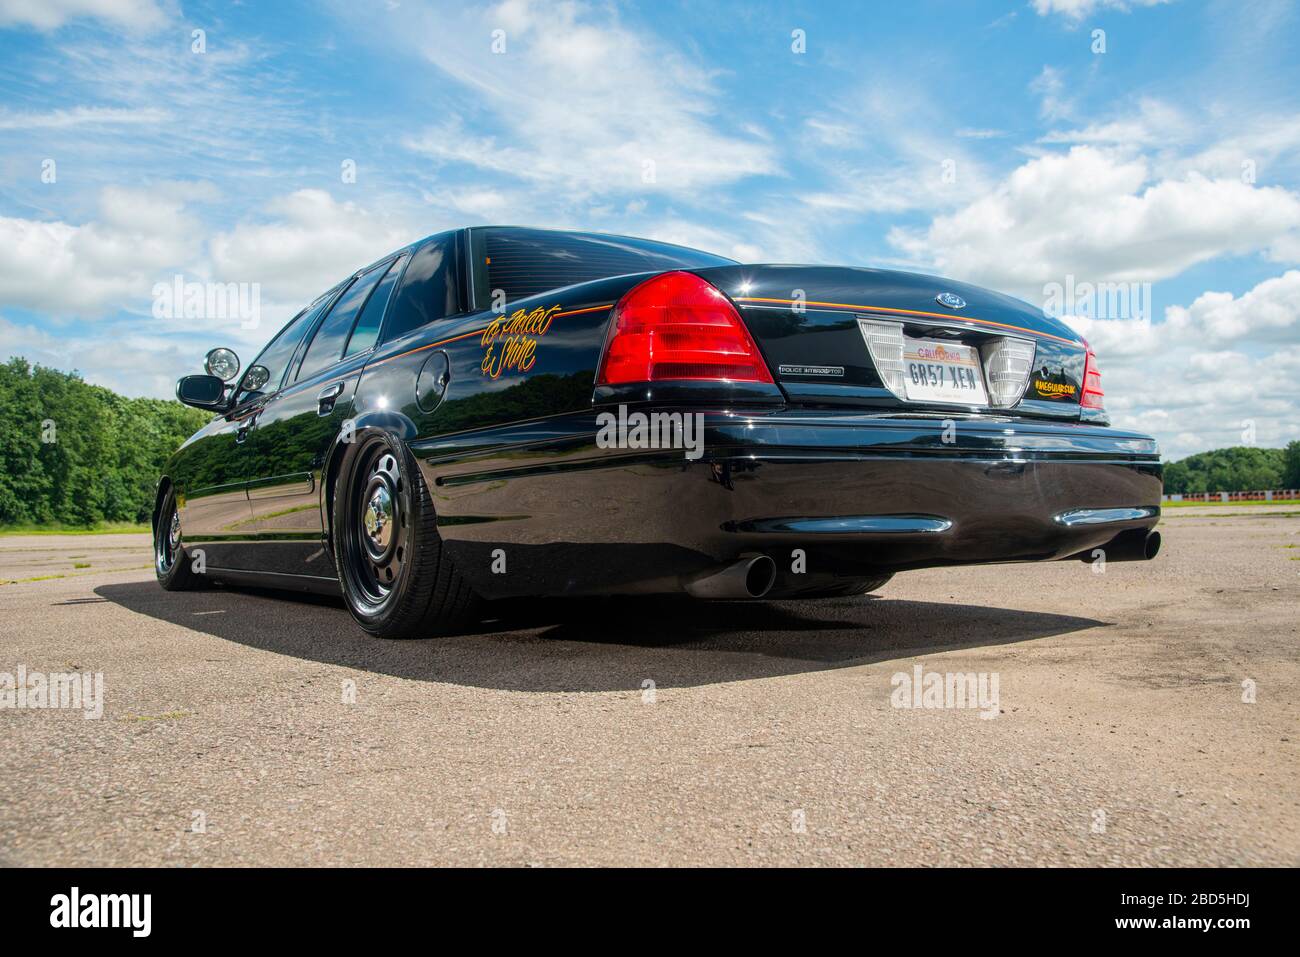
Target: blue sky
<point x="992" y="142"/>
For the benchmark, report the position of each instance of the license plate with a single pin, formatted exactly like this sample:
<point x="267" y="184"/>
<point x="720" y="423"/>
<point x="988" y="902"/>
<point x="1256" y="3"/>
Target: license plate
<point x="938" y="371"/>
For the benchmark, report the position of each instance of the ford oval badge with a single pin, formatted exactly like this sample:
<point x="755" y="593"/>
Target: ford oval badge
<point x="951" y="300"/>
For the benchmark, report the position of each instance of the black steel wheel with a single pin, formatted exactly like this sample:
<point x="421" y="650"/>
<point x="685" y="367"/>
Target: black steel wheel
<point x="376" y="527"/>
<point x="170" y="562"/>
<point x="396" y="578"/>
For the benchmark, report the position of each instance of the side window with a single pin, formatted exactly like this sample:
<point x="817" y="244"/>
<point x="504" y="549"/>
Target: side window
<point x="280" y="350"/>
<point x="366" y="330"/>
<point x="429" y="290"/>
<point x="327" y="345"/>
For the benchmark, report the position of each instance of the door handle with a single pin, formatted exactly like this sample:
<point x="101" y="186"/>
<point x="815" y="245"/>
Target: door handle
<point x="327" y="396"/>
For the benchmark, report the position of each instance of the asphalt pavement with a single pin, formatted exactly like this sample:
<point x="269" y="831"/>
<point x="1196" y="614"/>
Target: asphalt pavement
<point x="1141" y="716"/>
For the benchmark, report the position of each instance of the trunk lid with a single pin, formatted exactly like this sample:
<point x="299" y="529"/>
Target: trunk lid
<point x="806" y="320"/>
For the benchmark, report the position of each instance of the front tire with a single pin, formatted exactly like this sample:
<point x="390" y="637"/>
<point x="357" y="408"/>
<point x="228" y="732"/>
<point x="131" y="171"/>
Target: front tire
<point x="171" y="564"/>
<point x="396" y="576"/>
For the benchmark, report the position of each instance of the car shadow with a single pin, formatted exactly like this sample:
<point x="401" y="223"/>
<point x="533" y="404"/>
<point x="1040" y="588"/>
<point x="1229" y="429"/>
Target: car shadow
<point x="574" y="645"/>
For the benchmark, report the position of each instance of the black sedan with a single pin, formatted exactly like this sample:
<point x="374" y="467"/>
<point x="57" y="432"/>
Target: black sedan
<point x="501" y="412"/>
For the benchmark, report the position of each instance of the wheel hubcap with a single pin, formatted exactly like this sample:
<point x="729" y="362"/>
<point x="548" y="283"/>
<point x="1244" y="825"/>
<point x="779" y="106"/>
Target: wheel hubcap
<point x="377" y="537"/>
<point x="169" y="542"/>
<point x="377" y="521"/>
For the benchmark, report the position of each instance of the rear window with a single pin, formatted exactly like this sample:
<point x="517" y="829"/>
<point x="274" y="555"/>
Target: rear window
<point x="524" y="262"/>
<point x="430" y="288"/>
<point x="327" y="344"/>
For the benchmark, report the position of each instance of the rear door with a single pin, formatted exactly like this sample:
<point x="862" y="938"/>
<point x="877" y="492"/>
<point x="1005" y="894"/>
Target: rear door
<point x="297" y="428"/>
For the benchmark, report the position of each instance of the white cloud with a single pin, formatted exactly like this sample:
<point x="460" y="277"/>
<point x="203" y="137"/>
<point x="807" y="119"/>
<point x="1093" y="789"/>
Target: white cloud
<point x="1096" y="214"/>
<point x="129" y="108"/>
<point x="1268" y="313"/>
<point x="67" y="269"/>
<point x="882" y="156"/>
<point x="81" y="116"/>
<point x="1054" y="102"/>
<point x="1286" y="249"/>
<point x="135" y="357"/>
<point x="710" y="239"/>
<point x="52" y="14"/>
<point x="302" y="244"/>
<point x="830" y="133"/>
<point x="1076" y="10"/>
<point x="1263" y="149"/>
<point x="310" y="242"/>
<point x="1209" y="371"/>
<point x="1155" y="123"/>
<point x="480" y="203"/>
<point x="1251" y="146"/>
<point x="587" y="106"/>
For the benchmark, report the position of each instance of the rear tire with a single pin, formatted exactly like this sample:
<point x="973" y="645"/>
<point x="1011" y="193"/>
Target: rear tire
<point x="171" y="564"/>
<point x="396" y="576"/>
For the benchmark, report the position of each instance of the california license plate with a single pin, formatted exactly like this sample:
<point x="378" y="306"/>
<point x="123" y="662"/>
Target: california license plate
<point x="938" y="371"/>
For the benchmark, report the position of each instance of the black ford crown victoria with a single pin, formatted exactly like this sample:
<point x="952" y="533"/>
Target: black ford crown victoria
<point x="500" y="412"/>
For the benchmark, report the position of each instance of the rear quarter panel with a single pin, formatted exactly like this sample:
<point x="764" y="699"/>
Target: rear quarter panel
<point x="512" y="378"/>
<point x="535" y="359"/>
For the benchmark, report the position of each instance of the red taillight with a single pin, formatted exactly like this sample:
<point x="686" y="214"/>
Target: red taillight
<point x="1091" y="396"/>
<point x="677" y="326"/>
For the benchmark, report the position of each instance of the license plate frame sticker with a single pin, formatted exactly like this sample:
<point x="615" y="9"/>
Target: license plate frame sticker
<point x="936" y="370"/>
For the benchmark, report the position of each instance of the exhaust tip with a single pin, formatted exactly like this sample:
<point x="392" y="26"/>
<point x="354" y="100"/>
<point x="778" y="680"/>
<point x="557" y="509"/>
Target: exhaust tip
<point x="1151" y="547"/>
<point x="1133" y="545"/>
<point x="761" y="575"/>
<point x="749" y="576"/>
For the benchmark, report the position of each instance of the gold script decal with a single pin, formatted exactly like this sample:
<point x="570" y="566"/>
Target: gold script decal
<point x="510" y="342"/>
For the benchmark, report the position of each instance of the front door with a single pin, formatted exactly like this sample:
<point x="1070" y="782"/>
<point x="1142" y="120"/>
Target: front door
<point x="212" y="482"/>
<point x="210" y="476"/>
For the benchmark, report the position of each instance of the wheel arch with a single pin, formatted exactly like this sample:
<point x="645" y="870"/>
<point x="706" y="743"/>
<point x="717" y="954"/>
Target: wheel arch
<point x="164" y="486"/>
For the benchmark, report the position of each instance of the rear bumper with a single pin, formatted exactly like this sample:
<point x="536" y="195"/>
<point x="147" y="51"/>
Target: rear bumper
<point x="858" y="494"/>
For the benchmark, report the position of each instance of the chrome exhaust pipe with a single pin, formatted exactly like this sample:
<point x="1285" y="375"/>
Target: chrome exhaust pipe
<point x="751" y="576"/>
<point x="1134" y="545"/>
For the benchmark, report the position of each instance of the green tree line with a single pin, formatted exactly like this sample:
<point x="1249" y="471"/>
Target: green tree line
<point x="77" y="454"/>
<point x="1237" y="469"/>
